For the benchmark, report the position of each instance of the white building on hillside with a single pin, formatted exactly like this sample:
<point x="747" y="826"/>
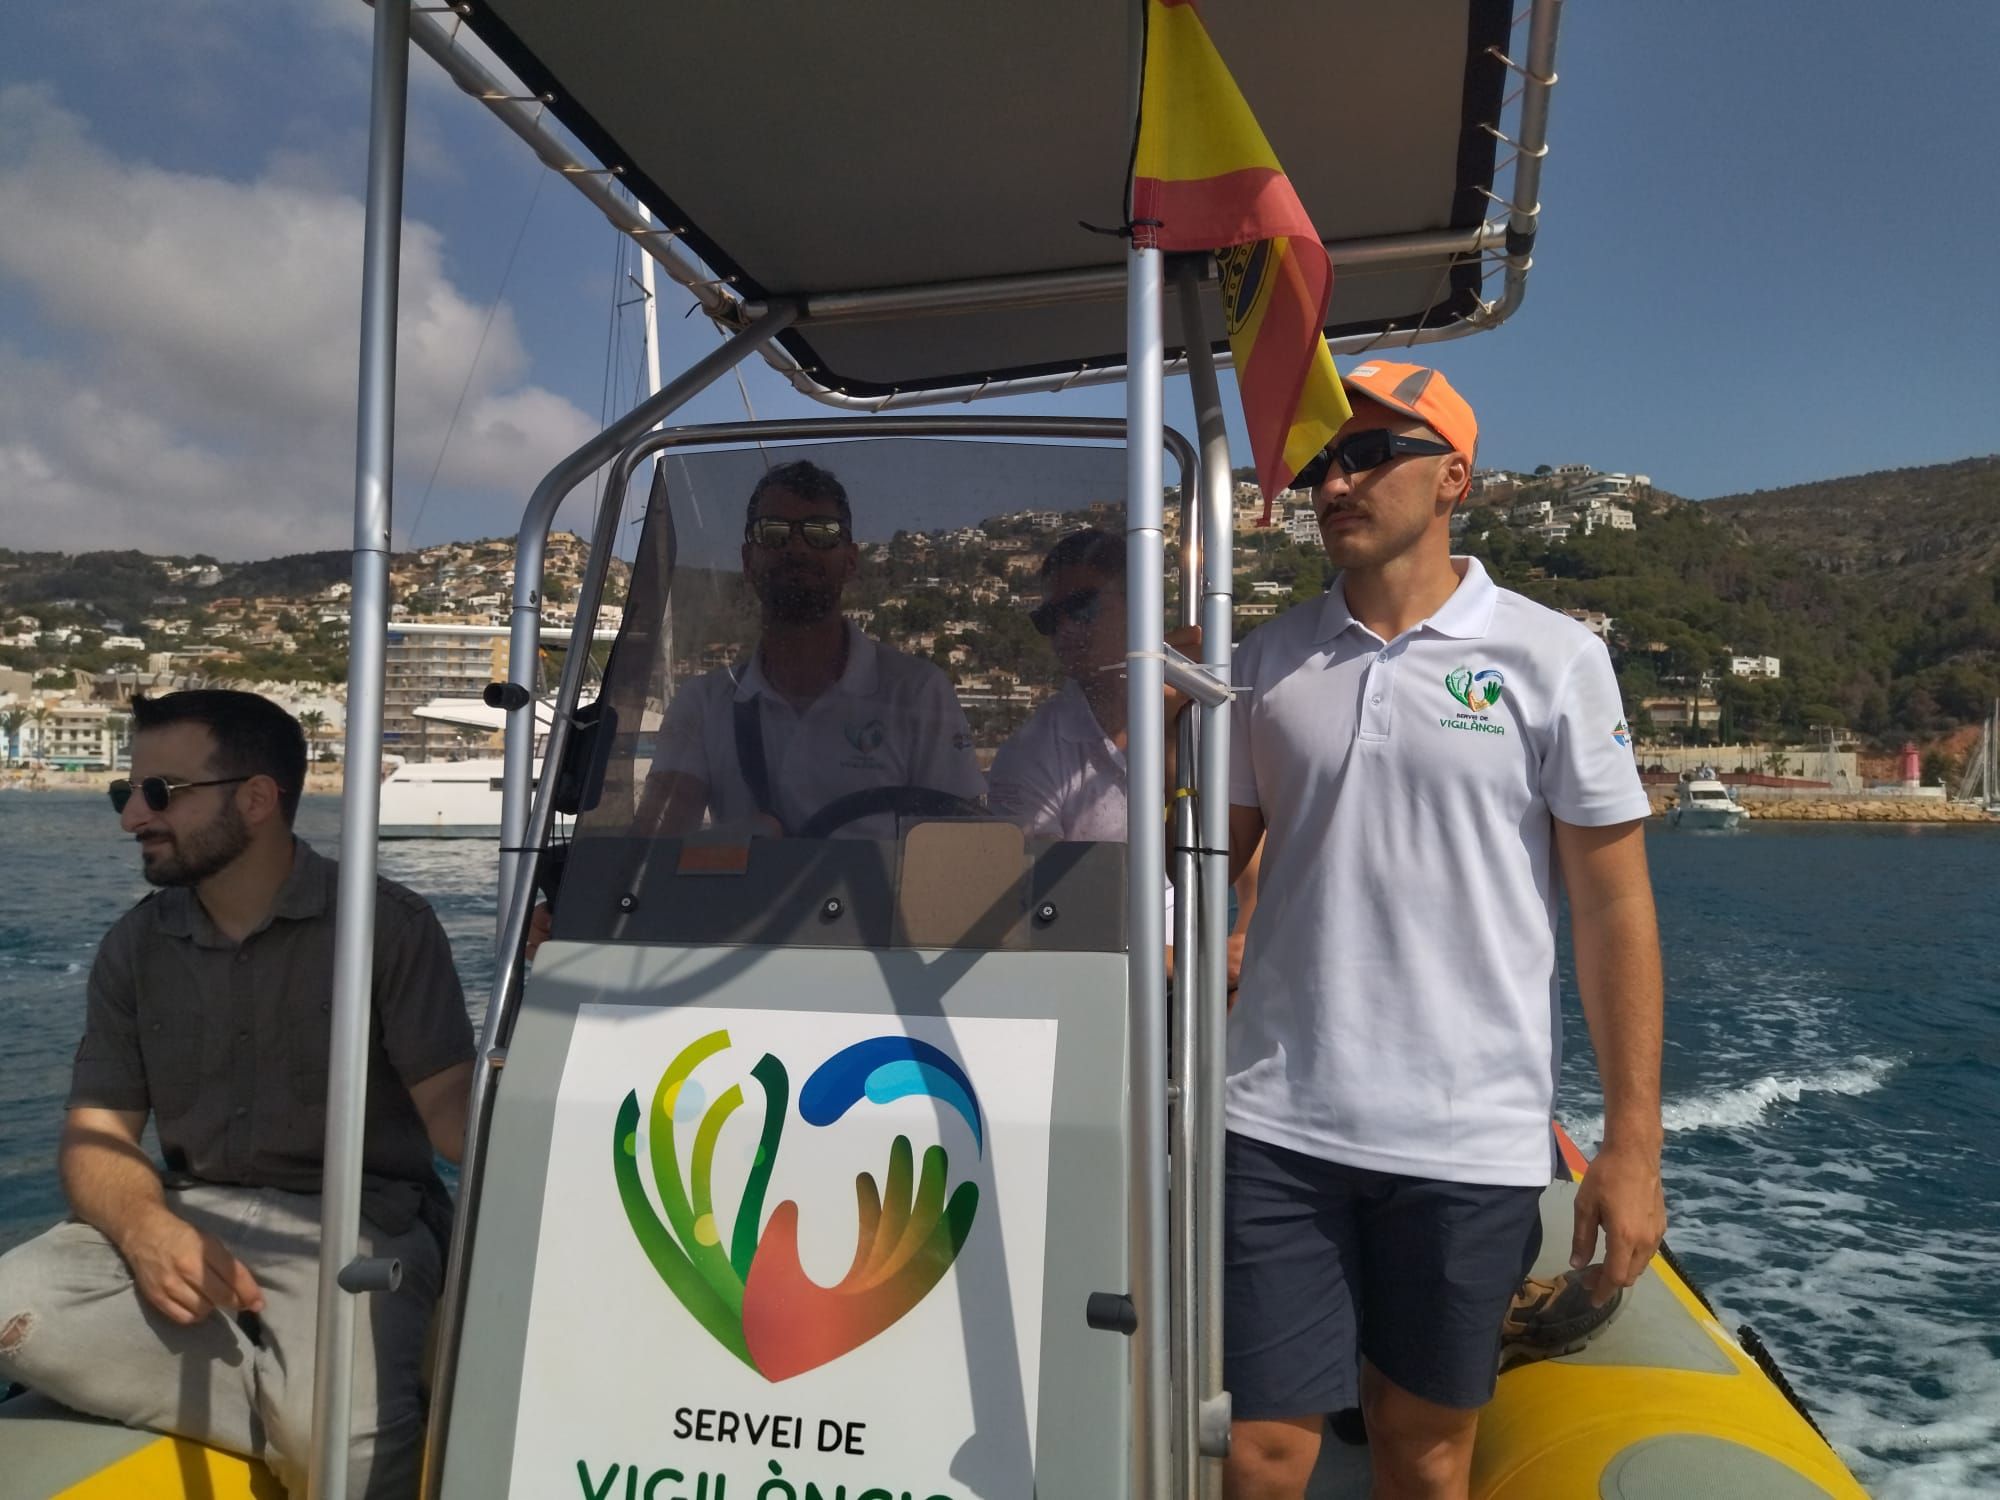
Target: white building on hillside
<point x="1601" y="515"/>
<point x="1302" y="526"/>
<point x="1595" y="621"/>
<point x="1754" y="666"/>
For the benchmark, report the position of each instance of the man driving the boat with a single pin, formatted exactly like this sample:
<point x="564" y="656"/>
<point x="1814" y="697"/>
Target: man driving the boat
<point x="186" y="1302"/>
<point x="1428" y="760"/>
<point x="821" y="730"/>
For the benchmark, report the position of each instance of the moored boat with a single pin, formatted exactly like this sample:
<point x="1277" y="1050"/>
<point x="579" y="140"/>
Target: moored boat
<point x="1701" y="801"/>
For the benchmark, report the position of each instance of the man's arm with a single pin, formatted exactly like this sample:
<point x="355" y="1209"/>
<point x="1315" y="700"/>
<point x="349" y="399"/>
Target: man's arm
<point x="1246" y="832"/>
<point x="671" y="805"/>
<point x="1246" y="907"/>
<point x="442" y="1101"/>
<point x="420" y="1009"/>
<point x="1617" y="943"/>
<point x="112" y="1186"/>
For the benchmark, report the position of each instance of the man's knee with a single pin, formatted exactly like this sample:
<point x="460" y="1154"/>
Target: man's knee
<point x="1271" y="1460"/>
<point x="26" y="1310"/>
<point x="1416" y="1446"/>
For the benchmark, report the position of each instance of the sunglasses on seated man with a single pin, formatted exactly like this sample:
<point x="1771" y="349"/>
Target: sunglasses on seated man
<point x="159" y="790"/>
<point x="1081" y="606"/>
<point x="1368" y="449"/>
<point x="821" y="533"/>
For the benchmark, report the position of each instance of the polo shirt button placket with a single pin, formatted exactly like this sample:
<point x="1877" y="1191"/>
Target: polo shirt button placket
<point x="1379" y="686"/>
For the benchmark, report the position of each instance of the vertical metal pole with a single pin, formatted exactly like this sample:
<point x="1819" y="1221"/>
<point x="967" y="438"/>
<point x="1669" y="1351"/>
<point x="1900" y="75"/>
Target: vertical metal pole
<point x="1202" y="1093"/>
<point x="354" y="923"/>
<point x="1183" y="1060"/>
<point x="1145" y="756"/>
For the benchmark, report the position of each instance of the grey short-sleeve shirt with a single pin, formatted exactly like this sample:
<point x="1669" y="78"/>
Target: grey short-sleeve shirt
<point x="227" y="1044"/>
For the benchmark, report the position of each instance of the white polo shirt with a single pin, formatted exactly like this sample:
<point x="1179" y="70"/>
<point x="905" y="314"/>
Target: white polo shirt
<point x="1400" y="973"/>
<point x="891" y="720"/>
<point x="1060" y="776"/>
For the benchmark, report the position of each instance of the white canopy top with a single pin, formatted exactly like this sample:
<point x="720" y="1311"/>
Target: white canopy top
<point x="815" y="151"/>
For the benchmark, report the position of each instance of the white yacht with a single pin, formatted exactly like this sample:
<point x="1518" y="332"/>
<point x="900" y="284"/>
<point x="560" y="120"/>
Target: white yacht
<point x="1704" y="802"/>
<point x="451" y="799"/>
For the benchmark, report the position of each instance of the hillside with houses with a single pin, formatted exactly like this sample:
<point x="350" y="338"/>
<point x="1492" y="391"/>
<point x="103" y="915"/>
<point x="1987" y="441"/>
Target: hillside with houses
<point x="1717" y="636"/>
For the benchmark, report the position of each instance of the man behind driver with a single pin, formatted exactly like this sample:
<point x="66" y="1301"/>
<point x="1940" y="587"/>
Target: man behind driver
<point x="818" y="711"/>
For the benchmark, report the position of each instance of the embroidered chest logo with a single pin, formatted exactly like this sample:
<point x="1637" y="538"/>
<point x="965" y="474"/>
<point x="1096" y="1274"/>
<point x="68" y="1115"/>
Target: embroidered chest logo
<point x="866" y="738"/>
<point x="1477" y="691"/>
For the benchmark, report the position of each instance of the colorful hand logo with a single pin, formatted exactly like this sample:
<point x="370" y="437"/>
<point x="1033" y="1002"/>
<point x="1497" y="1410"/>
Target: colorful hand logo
<point x="755" y="1298"/>
<point x="1478" y="691"/>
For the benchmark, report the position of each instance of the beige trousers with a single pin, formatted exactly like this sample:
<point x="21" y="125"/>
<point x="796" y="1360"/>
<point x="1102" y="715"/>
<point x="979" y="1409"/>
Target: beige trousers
<point x="74" y="1327"/>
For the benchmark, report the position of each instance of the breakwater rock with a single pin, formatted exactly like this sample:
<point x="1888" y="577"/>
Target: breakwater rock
<point x="1848" y="809"/>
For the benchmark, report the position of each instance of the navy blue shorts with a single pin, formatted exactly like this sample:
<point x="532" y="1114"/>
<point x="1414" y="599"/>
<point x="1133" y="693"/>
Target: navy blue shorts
<point x="1324" y="1265"/>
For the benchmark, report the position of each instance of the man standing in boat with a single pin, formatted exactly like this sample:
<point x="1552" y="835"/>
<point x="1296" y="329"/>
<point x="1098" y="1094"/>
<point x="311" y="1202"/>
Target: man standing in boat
<point x="819" y="712"/>
<point x="1426" y="758"/>
<point x="186" y="1302"/>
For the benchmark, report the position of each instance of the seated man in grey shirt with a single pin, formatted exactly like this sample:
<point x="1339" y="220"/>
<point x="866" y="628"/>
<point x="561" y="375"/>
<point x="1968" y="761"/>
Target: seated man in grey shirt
<point x="209" y="1009"/>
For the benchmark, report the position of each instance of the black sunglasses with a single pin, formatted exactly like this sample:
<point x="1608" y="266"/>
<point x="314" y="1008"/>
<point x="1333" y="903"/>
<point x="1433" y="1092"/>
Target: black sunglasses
<point x="1365" y="450"/>
<point x="821" y="533"/>
<point x="159" y="791"/>
<point x="1048" y="618"/>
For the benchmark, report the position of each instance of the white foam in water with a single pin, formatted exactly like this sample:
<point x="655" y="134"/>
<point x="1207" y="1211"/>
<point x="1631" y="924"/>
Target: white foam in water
<point x="1745" y="1104"/>
<point x="1871" y="1331"/>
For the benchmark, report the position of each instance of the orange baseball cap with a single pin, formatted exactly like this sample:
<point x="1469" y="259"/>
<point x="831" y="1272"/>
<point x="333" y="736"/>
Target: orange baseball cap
<point x="1420" y="393"/>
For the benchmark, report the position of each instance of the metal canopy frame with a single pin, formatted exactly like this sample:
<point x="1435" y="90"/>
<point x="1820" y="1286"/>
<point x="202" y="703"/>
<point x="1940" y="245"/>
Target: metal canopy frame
<point x="1463" y="254"/>
<point x="1179" y="1412"/>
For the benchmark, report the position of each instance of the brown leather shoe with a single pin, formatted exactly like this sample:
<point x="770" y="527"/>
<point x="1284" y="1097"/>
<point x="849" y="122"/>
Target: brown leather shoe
<point x="1550" y="1318"/>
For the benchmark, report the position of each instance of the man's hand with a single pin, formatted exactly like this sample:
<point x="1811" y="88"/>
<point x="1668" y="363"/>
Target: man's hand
<point x="1620" y="1194"/>
<point x="185" y="1273"/>
<point x="541" y="922"/>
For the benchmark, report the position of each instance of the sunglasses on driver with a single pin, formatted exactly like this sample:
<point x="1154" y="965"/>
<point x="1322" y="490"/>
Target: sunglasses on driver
<point x="1368" y="449"/>
<point x="821" y="533"/>
<point x="159" y="791"/>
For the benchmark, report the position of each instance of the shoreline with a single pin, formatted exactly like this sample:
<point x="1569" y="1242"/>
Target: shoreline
<point x="328" y="780"/>
<point x="318" y="779"/>
<point x="1845" y="809"/>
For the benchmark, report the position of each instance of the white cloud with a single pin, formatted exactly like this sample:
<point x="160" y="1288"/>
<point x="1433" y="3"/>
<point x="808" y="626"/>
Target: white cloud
<point x="204" y="393"/>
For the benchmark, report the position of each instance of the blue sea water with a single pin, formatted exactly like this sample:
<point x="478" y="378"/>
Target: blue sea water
<point x="1832" y="1091"/>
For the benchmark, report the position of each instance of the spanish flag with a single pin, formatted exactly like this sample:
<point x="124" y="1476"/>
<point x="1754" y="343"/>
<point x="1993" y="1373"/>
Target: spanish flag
<point x="1204" y="178"/>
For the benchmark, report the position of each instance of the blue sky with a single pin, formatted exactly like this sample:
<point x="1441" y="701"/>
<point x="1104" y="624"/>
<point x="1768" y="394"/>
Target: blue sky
<point x="1766" y="258"/>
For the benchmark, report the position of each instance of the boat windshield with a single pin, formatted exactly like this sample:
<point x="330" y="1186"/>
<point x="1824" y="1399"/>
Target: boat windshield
<point x="823" y="646"/>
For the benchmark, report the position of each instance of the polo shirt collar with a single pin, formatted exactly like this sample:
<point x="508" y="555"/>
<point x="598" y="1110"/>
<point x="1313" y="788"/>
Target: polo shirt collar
<point x="858" y="679"/>
<point x="1466" y="615"/>
<point x="307" y="892"/>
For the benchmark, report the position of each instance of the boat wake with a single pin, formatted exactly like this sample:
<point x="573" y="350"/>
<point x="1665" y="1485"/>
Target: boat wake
<point x="1746" y="1104"/>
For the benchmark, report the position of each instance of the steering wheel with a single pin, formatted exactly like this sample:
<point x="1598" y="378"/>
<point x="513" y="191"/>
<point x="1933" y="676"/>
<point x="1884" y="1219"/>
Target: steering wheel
<point x="905" y="801"/>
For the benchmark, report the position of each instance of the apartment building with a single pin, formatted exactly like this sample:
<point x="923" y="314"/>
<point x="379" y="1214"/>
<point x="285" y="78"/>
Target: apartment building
<point x="420" y="667"/>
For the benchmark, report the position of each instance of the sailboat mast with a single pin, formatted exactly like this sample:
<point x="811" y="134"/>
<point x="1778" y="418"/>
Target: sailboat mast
<point x="651" y="330"/>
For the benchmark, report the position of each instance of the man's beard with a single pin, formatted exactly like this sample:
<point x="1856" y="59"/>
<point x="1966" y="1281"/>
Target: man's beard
<point x="191" y="858"/>
<point x="798" y="599"/>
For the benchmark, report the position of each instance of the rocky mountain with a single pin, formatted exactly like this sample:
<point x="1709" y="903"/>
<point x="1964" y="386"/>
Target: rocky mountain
<point x="1927" y="525"/>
